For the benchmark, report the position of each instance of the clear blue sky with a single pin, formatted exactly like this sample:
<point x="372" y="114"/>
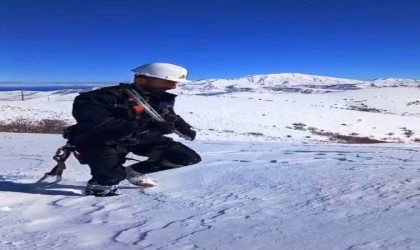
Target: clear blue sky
<point x="101" y="40"/>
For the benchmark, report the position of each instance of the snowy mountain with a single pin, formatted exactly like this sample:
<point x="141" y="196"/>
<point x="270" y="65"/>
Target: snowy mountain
<point x="245" y="196"/>
<point x="268" y="83"/>
<point x="277" y="107"/>
<point x="288" y="82"/>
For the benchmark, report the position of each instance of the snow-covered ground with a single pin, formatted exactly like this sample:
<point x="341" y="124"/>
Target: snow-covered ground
<point x="244" y="195"/>
<point x="266" y="107"/>
<point x="256" y="187"/>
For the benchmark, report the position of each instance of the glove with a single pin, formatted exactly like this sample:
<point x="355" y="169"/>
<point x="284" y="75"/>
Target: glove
<point x="185" y="129"/>
<point x="162" y="128"/>
<point x="191" y="133"/>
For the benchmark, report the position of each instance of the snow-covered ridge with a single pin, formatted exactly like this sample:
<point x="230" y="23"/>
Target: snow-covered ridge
<point x="261" y="83"/>
<point x="286" y="83"/>
<point x="268" y="108"/>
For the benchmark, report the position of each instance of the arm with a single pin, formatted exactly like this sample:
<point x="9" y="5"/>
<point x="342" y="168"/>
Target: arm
<point x="169" y="113"/>
<point x="180" y="124"/>
<point x="179" y="121"/>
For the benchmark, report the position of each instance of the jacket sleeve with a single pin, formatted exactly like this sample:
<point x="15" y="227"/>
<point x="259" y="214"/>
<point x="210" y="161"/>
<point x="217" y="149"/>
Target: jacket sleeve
<point x="179" y="121"/>
<point x="95" y="116"/>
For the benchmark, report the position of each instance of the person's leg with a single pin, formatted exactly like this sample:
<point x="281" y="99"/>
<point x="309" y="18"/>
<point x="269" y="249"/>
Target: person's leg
<point x="164" y="156"/>
<point x="106" y="169"/>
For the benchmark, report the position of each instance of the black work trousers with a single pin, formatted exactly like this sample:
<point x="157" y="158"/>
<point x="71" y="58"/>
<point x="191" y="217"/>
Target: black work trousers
<point x="106" y="162"/>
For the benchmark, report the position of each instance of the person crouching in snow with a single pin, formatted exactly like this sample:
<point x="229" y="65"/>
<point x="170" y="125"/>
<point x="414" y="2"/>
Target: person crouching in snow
<point x="110" y="124"/>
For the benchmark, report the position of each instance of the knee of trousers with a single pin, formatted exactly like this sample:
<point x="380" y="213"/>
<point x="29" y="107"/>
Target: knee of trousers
<point x="192" y="159"/>
<point x="190" y="156"/>
<point x="195" y="158"/>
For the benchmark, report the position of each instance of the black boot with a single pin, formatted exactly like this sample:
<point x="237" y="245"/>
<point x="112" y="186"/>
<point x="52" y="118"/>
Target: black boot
<point x="98" y="190"/>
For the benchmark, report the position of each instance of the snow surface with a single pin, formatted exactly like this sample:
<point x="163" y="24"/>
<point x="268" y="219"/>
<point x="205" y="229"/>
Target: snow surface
<point x="244" y="195"/>
<point x="266" y="192"/>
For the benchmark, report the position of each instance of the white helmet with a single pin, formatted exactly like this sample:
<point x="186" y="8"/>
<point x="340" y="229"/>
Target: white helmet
<point x="165" y="71"/>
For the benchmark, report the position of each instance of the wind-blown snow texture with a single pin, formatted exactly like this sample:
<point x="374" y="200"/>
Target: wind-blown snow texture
<point x="242" y="196"/>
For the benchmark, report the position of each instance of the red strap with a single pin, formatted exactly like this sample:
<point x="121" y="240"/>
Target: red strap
<point x="139" y="109"/>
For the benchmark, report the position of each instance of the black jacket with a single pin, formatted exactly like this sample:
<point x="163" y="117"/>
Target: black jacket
<point x="108" y="114"/>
